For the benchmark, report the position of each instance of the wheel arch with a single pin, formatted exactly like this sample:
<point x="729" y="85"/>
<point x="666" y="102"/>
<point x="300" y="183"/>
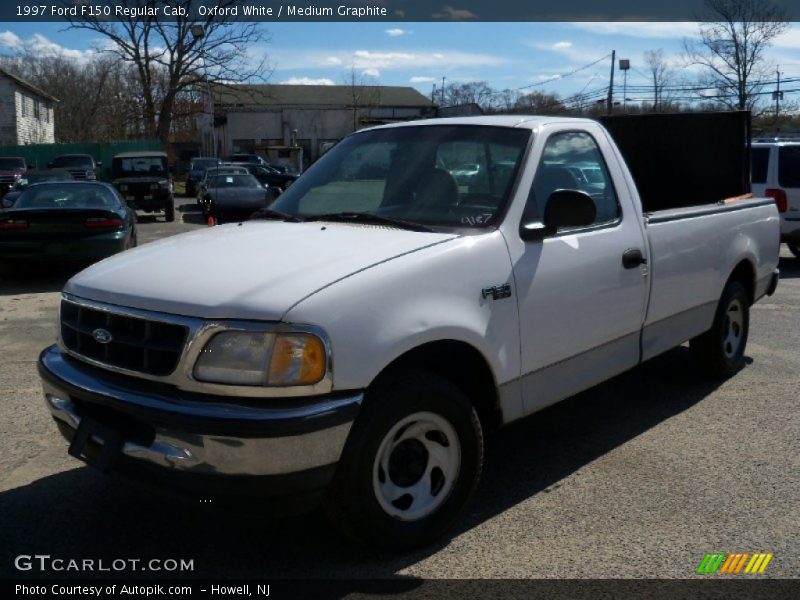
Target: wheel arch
<point x="745" y="273"/>
<point x="464" y="366"/>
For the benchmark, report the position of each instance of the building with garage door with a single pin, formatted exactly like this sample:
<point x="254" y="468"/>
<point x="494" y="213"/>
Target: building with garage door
<point x="255" y="118"/>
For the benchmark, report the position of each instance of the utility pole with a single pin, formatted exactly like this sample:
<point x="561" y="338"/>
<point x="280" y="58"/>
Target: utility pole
<point x="610" y="100"/>
<point x="624" y="66"/>
<point x="443" y="79"/>
<point x="778" y="97"/>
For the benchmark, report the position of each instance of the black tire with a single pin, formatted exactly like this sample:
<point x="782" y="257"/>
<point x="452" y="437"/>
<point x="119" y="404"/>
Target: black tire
<point x="719" y="352"/>
<point x="794" y="248"/>
<point x="353" y="502"/>
<point x="169" y="210"/>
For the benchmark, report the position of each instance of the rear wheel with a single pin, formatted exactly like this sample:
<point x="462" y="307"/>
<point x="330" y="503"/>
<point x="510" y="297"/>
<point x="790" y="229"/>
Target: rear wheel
<point x="169" y="211"/>
<point x="412" y="460"/>
<point x="794" y="248"/>
<point x="720" y="350"/>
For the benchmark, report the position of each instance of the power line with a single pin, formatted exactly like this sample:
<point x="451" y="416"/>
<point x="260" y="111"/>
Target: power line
<point x="555" y="77"/>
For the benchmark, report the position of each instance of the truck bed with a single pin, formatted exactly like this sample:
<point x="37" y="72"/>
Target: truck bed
<point x="682" y="300"/>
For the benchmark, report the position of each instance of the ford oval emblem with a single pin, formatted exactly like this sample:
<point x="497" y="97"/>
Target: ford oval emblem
<point x="101" y="336"/>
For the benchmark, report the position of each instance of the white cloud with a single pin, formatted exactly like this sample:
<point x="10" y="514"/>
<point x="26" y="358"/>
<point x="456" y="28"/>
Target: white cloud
<point x="641" y="29"/>
<point x="366" y="59"/>
<point x="39" y="45"/>
<point x="789" y="38"/>
<point x="412" y="59"/>
<point x="308" y="81"/>
<point x="396" y="32"/>
<point x="11" y="40"/>
<point x="372" y="72"/>
<point x="422" y="79"/>
<point x="562" y="45"/>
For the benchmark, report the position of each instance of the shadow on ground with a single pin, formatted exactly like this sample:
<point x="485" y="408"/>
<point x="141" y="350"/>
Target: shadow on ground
<point x="35" y="278"/>
<point x="82" y="513"/>
<point x="790" y="268"/>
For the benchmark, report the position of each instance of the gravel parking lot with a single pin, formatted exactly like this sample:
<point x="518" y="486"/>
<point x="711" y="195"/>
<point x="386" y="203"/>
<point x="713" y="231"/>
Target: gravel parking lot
<point x="639" y="477"/>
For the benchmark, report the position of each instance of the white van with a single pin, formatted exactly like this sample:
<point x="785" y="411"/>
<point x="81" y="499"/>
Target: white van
<point x="775" y="173"/>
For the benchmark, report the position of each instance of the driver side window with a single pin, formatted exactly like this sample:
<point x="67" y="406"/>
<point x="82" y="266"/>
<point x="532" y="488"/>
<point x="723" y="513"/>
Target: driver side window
<point x="572" y="161"/>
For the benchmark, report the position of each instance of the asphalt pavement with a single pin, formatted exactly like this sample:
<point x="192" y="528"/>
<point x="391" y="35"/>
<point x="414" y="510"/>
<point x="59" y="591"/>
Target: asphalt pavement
<point x="638" y="477"/>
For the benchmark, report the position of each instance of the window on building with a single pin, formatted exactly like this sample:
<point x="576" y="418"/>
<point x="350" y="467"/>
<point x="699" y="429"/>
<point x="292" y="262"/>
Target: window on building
<point x="24" y="105"/>
<point x="37" y="109"/>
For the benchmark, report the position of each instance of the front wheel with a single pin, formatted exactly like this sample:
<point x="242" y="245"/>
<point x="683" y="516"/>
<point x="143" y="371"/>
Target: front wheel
<point x="720" y="350"/>
<point x="412" y="460"/>
<point x="794" y="248"/>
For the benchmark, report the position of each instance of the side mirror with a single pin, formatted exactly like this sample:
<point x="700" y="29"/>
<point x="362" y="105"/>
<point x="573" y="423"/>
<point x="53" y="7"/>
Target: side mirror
<point x="7" y="203"/>
<point x="564" y="208"/>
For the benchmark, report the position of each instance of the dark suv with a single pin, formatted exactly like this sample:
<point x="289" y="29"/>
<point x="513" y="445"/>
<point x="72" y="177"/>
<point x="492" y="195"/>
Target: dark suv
<point x="80" y="166"/>
<point x="143" y="179"/>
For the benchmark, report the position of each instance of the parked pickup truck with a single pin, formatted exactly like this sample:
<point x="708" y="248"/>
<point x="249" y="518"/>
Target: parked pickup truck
<point x="354" y="343"/>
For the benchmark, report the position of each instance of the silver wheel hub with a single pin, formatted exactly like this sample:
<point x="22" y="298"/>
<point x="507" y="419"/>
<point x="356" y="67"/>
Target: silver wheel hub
<point x="733" y="329"/>
<point x="416" y="466"/>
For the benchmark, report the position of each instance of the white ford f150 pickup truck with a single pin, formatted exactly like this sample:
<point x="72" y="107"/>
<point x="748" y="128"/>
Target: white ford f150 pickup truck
<point x="353" y="343"/>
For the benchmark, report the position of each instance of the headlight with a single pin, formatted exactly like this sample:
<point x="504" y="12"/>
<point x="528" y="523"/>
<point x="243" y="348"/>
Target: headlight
<point x="262" y="358"/>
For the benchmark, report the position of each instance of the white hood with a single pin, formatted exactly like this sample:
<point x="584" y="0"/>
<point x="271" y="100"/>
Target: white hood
<point x="255" y="270"/>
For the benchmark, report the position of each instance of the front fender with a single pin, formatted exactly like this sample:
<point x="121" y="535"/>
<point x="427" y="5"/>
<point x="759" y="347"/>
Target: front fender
<point x="376" y="315"/>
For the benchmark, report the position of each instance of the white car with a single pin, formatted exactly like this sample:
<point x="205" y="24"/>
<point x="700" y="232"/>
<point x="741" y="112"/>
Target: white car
<point x="353" y="345"/>
<point x="775" y="173"/>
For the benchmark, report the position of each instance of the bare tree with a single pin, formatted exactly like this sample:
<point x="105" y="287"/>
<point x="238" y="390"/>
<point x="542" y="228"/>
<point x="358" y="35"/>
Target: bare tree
<point x="733" y="38"/>
<point x="539" y="103"/>
<point x="506" y="99"/>
<point x="470" y="92"/>
<point x="170" y="58"/>
<point x="364" y="92"/>
<point x="660" y="74"/>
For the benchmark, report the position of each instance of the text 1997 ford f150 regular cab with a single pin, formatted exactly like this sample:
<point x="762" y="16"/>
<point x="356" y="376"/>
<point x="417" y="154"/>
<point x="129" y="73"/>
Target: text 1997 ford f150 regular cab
<point x="353" y="343"/>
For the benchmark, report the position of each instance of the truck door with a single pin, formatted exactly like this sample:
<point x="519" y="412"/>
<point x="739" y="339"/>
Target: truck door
<point x="582" y="292"/>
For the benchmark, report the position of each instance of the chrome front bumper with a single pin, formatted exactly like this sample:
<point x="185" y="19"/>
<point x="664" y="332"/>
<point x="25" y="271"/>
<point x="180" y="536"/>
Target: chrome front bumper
<point x="204" y="435"/>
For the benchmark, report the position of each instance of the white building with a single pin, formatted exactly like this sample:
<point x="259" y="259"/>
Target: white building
<point x="251" y="118"/>
<point x="26" y="112"/>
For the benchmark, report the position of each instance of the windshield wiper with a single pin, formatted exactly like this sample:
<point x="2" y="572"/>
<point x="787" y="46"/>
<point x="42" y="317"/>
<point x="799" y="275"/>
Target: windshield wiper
<point x="269" y="213"/>
<point x="356" y="217"/>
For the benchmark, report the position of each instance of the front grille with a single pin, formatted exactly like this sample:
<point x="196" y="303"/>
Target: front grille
<point x="137" y="344"/>
<point x="7" y="179"/>
<point x="78" y="173"/>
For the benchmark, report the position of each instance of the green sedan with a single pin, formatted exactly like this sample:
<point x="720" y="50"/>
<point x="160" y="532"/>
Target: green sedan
<point x="67" y="221"/>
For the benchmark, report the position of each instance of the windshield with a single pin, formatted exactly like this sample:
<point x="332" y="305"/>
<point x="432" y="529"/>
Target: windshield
<point x="73" y="161"/>
<point x="414" y="174"/>
<point x="10" y="164"/>
<point x="140" y="166"/>
<point x="198" y="164"/>
<point x="72" y="195"/>
<point x="225" y="171"/>
<point x="244" y="158"/>
<point x="240" y="181"/>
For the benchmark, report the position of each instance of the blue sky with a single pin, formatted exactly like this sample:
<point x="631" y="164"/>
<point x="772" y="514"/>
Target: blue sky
<point x="509" y="55"/>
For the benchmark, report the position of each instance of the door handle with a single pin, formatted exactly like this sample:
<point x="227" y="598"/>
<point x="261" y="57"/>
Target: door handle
<point x="632" y="258"/>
